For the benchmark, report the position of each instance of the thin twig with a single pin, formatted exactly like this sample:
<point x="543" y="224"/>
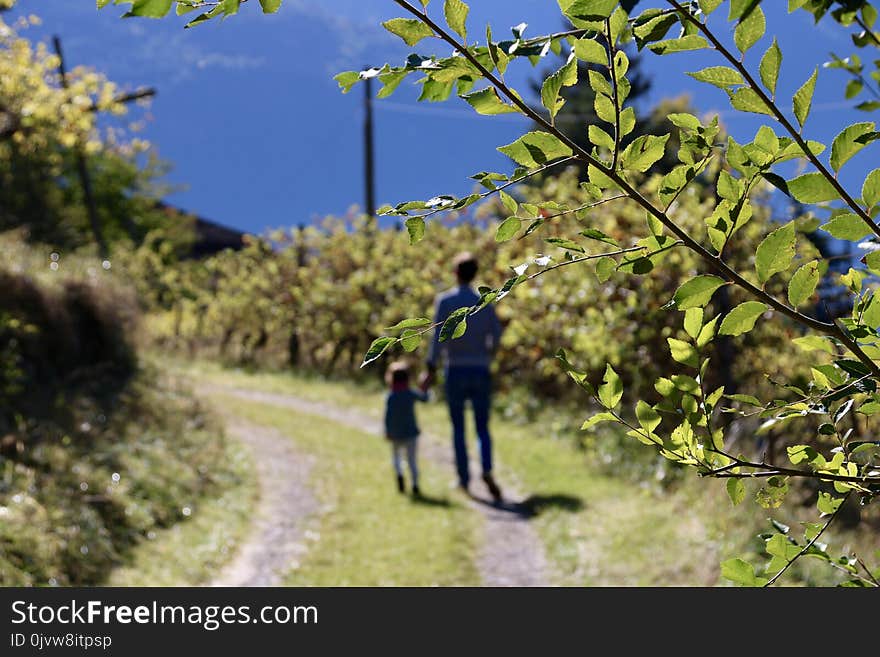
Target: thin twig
<point x="808" y="545"/>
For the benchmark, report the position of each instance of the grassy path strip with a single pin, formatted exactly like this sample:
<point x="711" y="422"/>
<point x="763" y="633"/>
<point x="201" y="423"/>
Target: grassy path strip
<point x="276" y="535"/>
<point x="511" y="553"/>
<point x="597" y="529"/>
<point x="364" y="533"/>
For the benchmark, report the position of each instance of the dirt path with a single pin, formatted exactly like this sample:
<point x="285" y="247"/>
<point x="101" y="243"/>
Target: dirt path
<point x="511" y="555"/>
<point x="275" y="540"/>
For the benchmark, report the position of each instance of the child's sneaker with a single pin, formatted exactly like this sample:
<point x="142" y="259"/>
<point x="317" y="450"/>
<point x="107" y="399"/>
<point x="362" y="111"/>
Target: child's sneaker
<point x="400" y="484"/>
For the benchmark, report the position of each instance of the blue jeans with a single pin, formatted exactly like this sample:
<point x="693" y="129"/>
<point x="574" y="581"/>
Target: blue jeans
<point x="474" y="384"/>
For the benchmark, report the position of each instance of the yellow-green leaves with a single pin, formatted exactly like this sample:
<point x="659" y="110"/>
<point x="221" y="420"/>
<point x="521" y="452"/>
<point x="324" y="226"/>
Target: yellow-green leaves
<point x="535" y="149"/>
<point x="850" y="141"/>
<point x="411" y="30"/>
<point x="590" y="50"/>
<point x="769" y="66"/>
<point x="587" y="10"/>
<point x="812" y="188"/>
<point x="803" y="98"/>
<point x="683" y="352"/>
<point x="150" y="8"/>
<point x="346" y="80"/>
<point x="750" y="29"/>
<point x="775" y="252"/>
<point x="741" y="572"/>
<point x="847" y="227"/>
<point x="377" y="348"/>
<point x="415" y="227"/>
<point x="487" y="101"/>
<point x="742" y="318"/>
<point x="611" y="389"/>
<point x="456" y="13"/>
<point x="871" y="188"/>
<point x="682" y="44"/>
<point x="803" y="283"/>
<point x="564" y="77"/>
<point x="736" y="491"/>
<point x="720" y="76"/>
<point x="748" y="100"/>
<point x="647" y="416"/>
<point x="696" y="292"/>
<point x="643" y="152"/>
<point x="507" y="229"/>
<point x="270" y="6"/>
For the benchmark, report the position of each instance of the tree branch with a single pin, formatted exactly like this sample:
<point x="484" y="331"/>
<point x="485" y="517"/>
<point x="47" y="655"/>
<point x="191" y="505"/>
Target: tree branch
<point x="779" y="116"/>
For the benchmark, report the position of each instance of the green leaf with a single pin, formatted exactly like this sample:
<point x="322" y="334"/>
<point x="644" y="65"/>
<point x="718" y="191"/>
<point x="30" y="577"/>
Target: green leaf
<point x="693" y="321"/>
<point x="410" y="339"/>
<point x="682" y="44"/>
<point x="589" y="50"/>
<point x="775" y="252"/>
<point x="647" y="416"/>
<point x="736" y="491"/>
<point x="411" y="30"/>
<point x="487" y="101"/>
<point x="415" y="322"/>
<point x="564" y="243"/>
<point x="588" y="10"/>
<point x="847" y="227"/>
<point x="871" y="188"/>
<point x="347" y="79"/>
<point x="507" y="229"/>
<point x="611" y="389"/>
<point x="456" y="13"/>
<point x="828" y="504"/>
<point x="415" y="226"/>
<point x="564" y="77"/>
<point x="803" y="98"/>
<point x="377" y="349"/>
<point x="850" y="141"/>
<point x="750" y="29"/>
<point x="741" y="572"/>
<point x="535" y="149"/>
<point x="769" y="66"/>
<point x="696" y="292"/>
<point x="747" y="100"/>
<point x="742" y="318"/>
<point x="720" y="76"/>
<point x="150" y="8"/>
<point x="596" y="419"/>
<point x="813" y="343"/>
<point x="812" y="188"/>
<point x="270" y="6"/>
<point x="643" y="152"/>
<point x="803" y="283"/>
<point x="683" y="352"/>
<point x="450" y="327"/>
<point x="604" y="268"/>
<point x="708" y="6"/>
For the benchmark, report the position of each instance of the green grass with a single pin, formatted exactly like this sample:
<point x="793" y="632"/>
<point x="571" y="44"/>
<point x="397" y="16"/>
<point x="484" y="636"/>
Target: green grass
<point x="191" y="551"/>
<point x="368" y="534"/>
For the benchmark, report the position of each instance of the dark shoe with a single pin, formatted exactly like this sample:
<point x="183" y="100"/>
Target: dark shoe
<point x="400" y="485"/>
<point x="416" y="492"/>
<point x="494" y="491"/>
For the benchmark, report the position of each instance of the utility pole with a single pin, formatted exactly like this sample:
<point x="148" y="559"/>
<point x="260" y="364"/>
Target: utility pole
<point x="370" y="205"/>
<point x="81" y="164"/>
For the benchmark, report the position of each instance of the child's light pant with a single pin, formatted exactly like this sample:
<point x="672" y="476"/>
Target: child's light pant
<point x="408" y="446"/>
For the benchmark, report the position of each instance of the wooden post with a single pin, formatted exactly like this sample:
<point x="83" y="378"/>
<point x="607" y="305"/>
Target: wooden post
<point x="370" y="206"/>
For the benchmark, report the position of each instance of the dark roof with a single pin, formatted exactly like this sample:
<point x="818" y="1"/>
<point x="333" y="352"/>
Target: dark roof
<point x="211" y="237"/>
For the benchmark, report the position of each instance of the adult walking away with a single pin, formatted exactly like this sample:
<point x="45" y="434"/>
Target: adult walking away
<point x="467" y="374"/>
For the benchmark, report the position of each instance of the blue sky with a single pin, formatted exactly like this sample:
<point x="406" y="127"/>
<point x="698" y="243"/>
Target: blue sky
<point x="260" y="136"/>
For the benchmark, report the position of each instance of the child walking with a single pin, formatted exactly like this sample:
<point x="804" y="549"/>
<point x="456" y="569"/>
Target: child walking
<point x="401" y="428"/>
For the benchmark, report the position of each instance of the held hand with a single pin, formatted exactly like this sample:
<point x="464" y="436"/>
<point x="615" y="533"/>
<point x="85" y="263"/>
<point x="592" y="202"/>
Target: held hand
<point x="426" y="380"/>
